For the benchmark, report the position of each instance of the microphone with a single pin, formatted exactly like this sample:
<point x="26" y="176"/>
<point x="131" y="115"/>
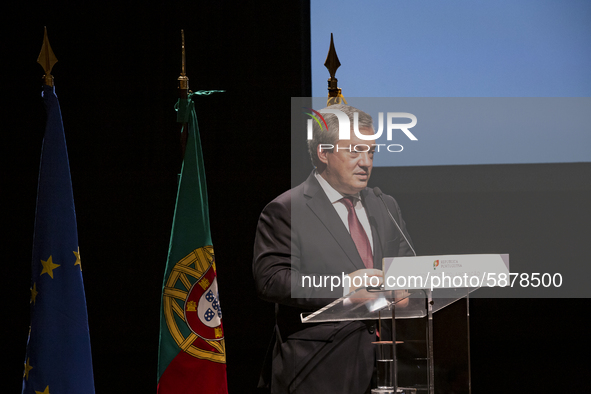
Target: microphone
<point x="378" y="193"/>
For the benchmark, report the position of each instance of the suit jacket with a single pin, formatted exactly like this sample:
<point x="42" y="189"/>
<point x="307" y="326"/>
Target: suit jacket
<point x="299" y="233"/>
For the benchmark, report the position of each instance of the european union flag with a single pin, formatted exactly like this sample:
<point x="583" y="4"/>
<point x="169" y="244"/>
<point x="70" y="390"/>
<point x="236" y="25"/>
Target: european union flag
<point x="58" y="356"/>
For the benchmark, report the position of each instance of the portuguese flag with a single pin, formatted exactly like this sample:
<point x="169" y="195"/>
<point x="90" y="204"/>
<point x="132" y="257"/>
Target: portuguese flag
<point x="192" y="354"/>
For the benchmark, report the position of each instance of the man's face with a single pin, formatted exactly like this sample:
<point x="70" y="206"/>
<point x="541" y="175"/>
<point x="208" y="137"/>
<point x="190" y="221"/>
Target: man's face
<point x="348" y="171"/>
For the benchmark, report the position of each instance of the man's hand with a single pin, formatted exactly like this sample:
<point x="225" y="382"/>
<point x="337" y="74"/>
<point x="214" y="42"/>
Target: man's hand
<point x="364" y="278"/>
<point x="401" y="298"/>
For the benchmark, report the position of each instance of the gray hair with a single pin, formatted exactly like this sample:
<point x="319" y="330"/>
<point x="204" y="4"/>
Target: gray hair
<point x="331" y="136"/>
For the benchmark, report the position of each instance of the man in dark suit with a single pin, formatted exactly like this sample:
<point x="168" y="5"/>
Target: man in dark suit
<point x="330" y="225"/>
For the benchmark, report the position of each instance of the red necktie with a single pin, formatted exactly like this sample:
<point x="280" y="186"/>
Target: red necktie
<point x="358" y="233"/>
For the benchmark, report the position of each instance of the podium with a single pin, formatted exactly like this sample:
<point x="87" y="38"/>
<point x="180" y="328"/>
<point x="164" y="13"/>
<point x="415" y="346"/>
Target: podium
<point x="417" y="354"/>
<point x="416" y="289"/>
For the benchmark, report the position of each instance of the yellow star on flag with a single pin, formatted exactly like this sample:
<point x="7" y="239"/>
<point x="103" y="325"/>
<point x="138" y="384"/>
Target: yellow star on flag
<point x="77" y="254"/>
<point x="34" y="293"/>
<point x="48" y="267"/>
<point x="27" y="369"/>
<point x="46" y="391"/>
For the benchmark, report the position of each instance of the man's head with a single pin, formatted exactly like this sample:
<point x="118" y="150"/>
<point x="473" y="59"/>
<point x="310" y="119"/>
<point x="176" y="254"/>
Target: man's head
<point x="347" y="167"/>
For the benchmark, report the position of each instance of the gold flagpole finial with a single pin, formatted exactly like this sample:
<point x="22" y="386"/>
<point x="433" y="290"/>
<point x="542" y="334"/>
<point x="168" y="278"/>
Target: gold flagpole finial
<point x="46" y="59"/>
<point x="183" y="79"/>
<point x="332" y="63"/>
<point x="183" y="96"/>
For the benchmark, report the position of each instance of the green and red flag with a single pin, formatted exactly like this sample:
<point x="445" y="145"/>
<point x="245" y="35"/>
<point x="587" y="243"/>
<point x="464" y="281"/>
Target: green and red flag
<point x="192" y="354"/>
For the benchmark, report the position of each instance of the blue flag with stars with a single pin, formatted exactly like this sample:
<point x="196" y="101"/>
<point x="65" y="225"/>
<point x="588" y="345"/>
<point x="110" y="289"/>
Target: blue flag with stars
<point x="58" y="358"/>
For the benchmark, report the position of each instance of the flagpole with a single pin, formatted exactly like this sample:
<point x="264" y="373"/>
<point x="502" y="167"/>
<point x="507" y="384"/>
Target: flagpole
<point x="192" y="355"/>
<point x="183" y="93"/>
<point x="46" y="59"/>
<point x="332" y="63"/>
<point x="58" y="357"/>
